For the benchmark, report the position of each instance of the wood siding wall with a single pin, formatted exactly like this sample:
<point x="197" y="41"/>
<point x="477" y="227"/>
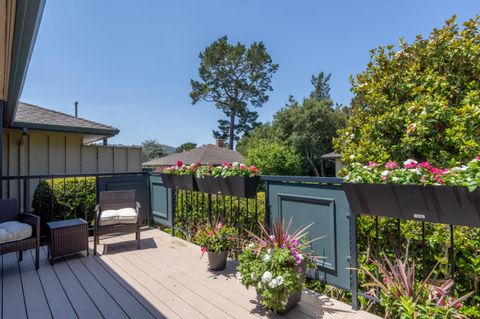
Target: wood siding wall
<point x="42" y="153"/>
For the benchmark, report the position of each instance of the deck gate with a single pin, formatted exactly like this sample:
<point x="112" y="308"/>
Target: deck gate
<point x="320" y="201"/>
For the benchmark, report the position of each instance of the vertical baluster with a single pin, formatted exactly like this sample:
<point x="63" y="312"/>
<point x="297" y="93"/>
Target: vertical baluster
<point x="86" y="208"/>
<point x="424" y="252"/>
<point x="452" y="255"/>
<point x="75" y="196"/>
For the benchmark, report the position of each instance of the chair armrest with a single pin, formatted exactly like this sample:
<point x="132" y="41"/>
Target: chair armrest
<point x="32" y="220"/>
<point x="96" y="215"/>
<point x="137" y="205"/>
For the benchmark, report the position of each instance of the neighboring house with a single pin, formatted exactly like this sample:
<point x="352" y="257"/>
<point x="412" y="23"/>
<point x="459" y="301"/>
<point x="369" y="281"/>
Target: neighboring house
<point x="44" y="141"/>
<point x="206" y="154"/>
<point x="335" y="157"/>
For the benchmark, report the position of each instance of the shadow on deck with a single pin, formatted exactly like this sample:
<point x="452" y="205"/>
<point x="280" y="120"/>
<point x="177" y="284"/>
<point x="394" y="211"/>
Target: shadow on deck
<point x="165" y="279"/>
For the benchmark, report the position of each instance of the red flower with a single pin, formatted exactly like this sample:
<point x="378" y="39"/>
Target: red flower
<point x="179" y="163"/>
<point x="229" y="238"/>
<point x="253" y="169"/>
<point x="243" y="166"/>
<point x="203" y="249"/>
<point x="209" y="234"/>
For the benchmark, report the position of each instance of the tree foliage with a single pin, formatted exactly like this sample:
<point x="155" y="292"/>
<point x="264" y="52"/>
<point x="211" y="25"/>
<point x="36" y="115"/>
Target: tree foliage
<point x="151" y="149"/>
<point x="186" y="147"/>
<point x="422" y="102"/>
<point x="275" y="158"/>
<point x="232" y="77"/>
<point x="306" y="128"/>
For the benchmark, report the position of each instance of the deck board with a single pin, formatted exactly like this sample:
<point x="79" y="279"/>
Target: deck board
<point x="166" y="278"/>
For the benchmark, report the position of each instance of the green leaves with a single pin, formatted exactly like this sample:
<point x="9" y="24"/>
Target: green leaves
<point x="231" y="77"/>
<point x="421" y="102"/>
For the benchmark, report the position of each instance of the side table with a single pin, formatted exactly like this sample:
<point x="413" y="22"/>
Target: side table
<point x="67" y="237"/>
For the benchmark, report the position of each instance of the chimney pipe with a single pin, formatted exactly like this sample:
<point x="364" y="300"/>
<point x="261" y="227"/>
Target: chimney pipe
<point x="76" y="109"/>
<point x="219" y="142"/>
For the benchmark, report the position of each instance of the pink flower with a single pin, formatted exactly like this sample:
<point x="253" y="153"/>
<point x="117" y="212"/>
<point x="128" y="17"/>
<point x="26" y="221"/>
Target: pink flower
<point x="219" y="225"/>
<point x="372" y="164"/>
<point x="229" y="238"/>
<point x="391" y="165"/>
<point x="425" y="165"/>
<point x="209" y="234"/>
<point x="458" y="305"/>
<point x="253" y="169"/>
<point x="243" y="166"/>
<point x="477" y="158"/>
<point x="410" y="164"/>
<point x="203" y="249"/>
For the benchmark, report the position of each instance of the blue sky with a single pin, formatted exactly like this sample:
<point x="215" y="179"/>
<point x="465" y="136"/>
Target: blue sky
<point x="129" y="63"/>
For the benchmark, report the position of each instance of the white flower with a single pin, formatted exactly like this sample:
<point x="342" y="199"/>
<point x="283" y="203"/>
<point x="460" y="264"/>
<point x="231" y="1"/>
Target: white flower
<point x="300" y="257"/>
<point x="266" y="257"/>
<point x="385" y="173"/>
<point x="279" y="280"/>
<point x="250" y="245"/>
<point x="266" y="277"/>
<point x="410" y="161"/>
<point x="269" y="250"/>
<point x="252" y="275"/>
<point x="259" y="285"/>
<point x="352" y="157"/>
<point x="273" y="283"/>
<point x="235" y="164"/>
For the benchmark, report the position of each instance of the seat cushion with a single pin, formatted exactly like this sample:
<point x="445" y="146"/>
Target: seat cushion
<point x="118" y="216"/>
<point x="14" y="231"/>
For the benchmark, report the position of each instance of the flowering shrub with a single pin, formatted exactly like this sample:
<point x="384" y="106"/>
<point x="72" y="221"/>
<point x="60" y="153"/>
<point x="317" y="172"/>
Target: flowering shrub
<point x="404" y="297"/>
<point x="413" y="172"/>
<point x="181" y="169"/>
<point x="275" y="265"/>
<point x="216" y="238"/>
<point x="228" y="170"/>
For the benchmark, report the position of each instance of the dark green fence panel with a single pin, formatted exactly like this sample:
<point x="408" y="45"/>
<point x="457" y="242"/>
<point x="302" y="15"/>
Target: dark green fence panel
<point x="138" y="182"/>
<point x="320" y="201"/>
<point x="161" y="201"/>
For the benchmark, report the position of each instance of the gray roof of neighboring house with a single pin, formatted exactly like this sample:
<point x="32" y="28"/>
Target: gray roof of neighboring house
<point x="331" y="155"/>
<point x="36" y="117"/>
<point x="206" y="154"/>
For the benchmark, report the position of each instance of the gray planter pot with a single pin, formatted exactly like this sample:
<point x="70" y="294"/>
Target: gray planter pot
<point x="217" y="261"/>
<point x="292" y="301"/>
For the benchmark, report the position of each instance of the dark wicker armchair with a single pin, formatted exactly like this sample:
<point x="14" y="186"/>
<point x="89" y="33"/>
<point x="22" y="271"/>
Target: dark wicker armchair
<point x="9" y="211"/>
<point x="111" y="201"/>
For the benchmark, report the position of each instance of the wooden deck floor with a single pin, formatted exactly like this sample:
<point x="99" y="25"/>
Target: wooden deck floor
<point x="165" y="279"/>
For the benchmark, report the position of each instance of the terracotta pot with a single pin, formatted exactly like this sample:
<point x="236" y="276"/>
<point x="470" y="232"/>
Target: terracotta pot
<point x="217" y="261"/>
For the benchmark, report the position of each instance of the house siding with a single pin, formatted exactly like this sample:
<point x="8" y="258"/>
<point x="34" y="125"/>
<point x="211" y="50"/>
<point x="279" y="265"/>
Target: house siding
<point x="44" y="152"/>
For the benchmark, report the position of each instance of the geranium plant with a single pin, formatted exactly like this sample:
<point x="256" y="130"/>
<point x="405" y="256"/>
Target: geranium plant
<point x="404" y="297"/>
<point x="228" y="170"/>
<point x="412" y="172"/>
<point x="182" y="169"/>
<point x="216" y="238"/>
<point x="276" y="264"/>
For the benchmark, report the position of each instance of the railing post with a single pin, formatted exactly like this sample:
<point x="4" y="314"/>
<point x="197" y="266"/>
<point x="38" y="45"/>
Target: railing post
<point x="174" y="209"/>
<point x="209" y="208"/>
<point x="353" y="260"/>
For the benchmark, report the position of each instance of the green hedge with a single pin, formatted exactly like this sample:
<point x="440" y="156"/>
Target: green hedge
<point x="57" y="199"/>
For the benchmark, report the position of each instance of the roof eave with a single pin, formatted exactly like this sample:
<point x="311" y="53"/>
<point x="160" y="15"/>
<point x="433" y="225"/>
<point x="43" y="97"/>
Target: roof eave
<point x="28" y="15"/>
<point x="69" y="129"/>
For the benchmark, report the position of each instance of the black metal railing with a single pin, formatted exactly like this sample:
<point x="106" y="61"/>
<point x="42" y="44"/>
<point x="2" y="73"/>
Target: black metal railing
<point x="57" y="196"/>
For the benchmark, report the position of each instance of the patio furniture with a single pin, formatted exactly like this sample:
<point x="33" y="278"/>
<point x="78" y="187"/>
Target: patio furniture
<point x="67" y="237"/>
<point x="18" y="231"/>
<point x="117" y="212"/>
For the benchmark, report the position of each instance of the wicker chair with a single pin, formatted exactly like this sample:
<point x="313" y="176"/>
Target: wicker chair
<point x="9" y="211"/>
<point x="114" y="200"/>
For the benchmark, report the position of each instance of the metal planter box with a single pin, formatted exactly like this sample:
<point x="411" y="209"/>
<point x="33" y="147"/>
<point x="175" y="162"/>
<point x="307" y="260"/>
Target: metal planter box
<point x="453" y="205"/>
<point x="209" y="184"/>
<point x="167" y="180"/>
<point x="238" y="186"/>
<point x="186" y="182"/>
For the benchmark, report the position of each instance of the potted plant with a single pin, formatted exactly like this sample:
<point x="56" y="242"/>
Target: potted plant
<point x="276" y="266"/>
<point x="216" y="241"/>
<point x="180" y="176"/>
<point x="402" y="296"/>
<point x="234" y="179"/>
<point x="417" y="191"/>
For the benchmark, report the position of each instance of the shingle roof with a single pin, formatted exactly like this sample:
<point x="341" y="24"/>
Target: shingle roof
<point x="206" y="154"/>
<point x="36" y="117"/>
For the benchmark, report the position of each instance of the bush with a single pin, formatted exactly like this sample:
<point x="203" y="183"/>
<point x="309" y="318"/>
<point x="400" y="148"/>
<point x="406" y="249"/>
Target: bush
<point x="275" y="158"/>
<point x="58" y="199"/>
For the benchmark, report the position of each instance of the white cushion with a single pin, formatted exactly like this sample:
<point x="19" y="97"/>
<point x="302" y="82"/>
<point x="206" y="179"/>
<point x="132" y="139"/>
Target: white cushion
<point x="13" y="231"/>
<point x="118" y="216"/>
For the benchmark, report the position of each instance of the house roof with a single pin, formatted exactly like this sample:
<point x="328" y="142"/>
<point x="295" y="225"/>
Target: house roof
<point x="206" y="154"/>
<point x="36" y="117"/>
<point x="331" y="155"/>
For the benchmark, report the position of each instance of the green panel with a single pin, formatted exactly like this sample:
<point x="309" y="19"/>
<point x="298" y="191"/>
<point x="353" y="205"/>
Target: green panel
<point x="327" y="208"/>
<point x="161" y="200"/>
